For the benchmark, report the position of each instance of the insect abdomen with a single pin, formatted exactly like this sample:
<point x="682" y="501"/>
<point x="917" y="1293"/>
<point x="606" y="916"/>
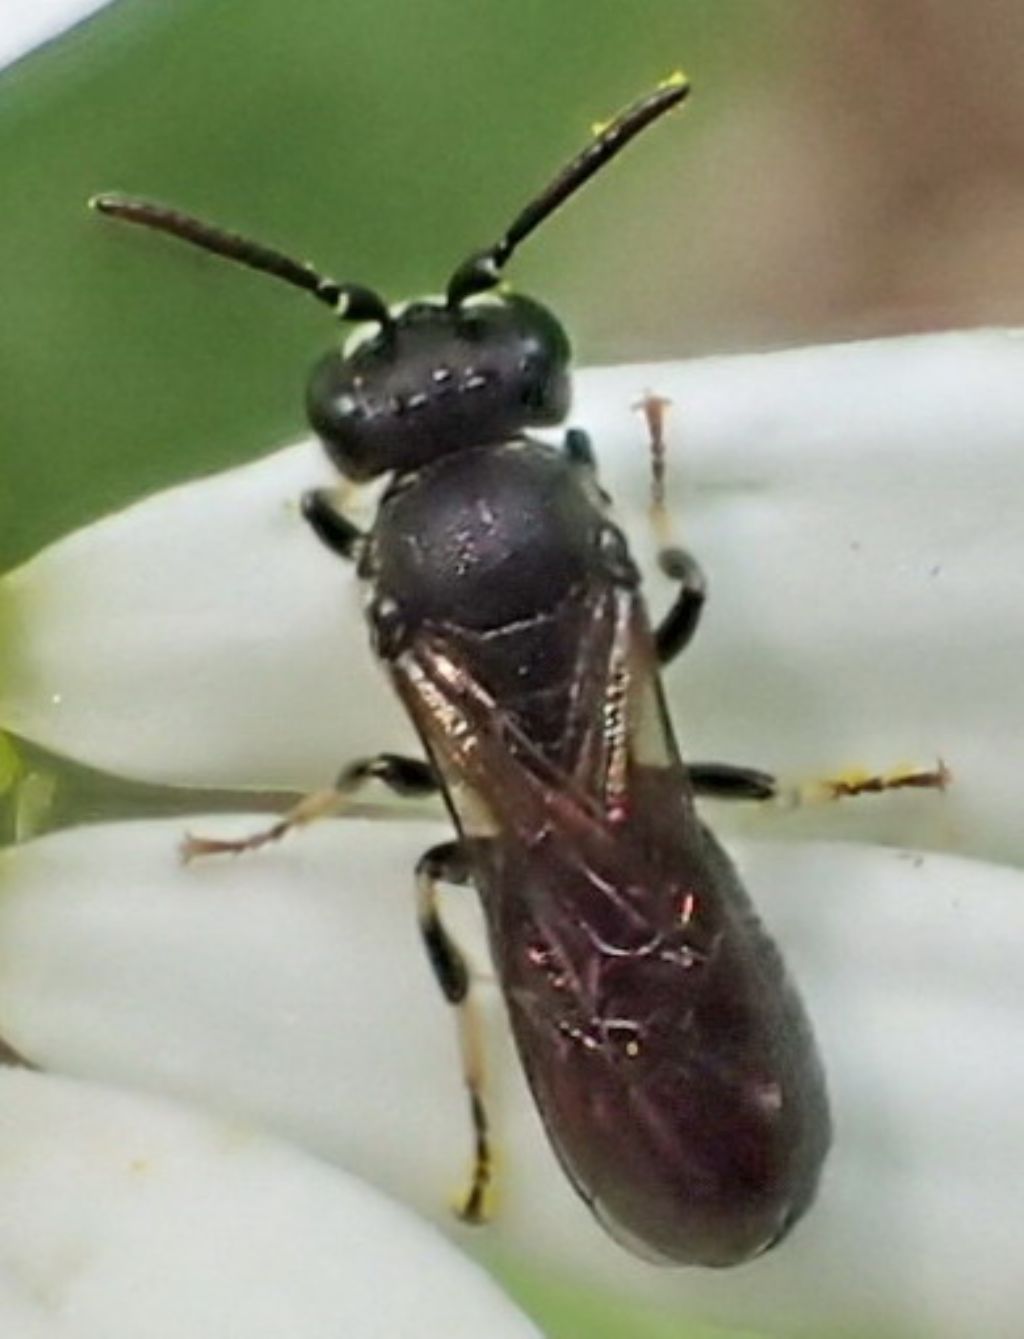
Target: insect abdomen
<point x="681" y="1092"/>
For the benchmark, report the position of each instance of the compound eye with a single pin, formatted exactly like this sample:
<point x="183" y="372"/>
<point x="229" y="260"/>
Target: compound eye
<point x="338" y="416"/>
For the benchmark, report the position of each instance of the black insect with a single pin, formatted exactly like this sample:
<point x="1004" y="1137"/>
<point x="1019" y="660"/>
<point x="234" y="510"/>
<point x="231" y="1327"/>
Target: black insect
<point x="668" y="1053"/>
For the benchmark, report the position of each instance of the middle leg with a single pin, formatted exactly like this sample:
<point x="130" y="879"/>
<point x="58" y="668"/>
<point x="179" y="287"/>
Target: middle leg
<point x="409" y="777"/>
<point x="725" y="781"/>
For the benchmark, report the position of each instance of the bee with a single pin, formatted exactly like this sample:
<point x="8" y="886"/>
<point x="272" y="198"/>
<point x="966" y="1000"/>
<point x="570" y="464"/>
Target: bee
<point x="667" y="1051"/>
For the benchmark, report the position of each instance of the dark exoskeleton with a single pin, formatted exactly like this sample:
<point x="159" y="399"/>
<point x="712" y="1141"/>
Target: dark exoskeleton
<point x="668" y="1054"/>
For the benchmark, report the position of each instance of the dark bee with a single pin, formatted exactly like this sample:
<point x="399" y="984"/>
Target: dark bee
<point x="668" y="1054"/>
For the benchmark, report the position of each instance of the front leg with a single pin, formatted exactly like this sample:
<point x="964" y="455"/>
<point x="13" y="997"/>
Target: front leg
<point x="676" y="629"/>
<point x="579" y="449"/>
<point x="330" y="526"/>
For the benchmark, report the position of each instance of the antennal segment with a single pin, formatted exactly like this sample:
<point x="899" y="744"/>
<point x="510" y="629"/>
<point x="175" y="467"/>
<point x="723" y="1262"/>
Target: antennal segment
<point x="482" y="270"/>
<point x="349" y="302"/>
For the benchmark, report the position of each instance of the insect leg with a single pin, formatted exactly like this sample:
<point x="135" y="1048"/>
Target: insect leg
<point x="653" y="408"/>
<point x="856" y="781"/>
<point x="409" y="777"/>
<point x="680" y="623"/>
<point x="579" y="449"/>
<point x="448" y="863"/>
<point x="340" y="535"/>
<point x="676" y="629"/>
<point x="724" y="781"/>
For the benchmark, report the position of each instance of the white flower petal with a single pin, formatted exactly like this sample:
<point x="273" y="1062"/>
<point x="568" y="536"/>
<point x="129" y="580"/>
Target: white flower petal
<point x="856" y="508"/>
<point x="125" y="1216"/>
<point x="201" y="636"/>
<point x="291" y="988"/>
<point x="29" y="23"/>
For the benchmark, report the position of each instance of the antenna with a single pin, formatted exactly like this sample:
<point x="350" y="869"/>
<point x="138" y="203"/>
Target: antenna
<point x="349" y="302"/>
<point x="482" y="270"/>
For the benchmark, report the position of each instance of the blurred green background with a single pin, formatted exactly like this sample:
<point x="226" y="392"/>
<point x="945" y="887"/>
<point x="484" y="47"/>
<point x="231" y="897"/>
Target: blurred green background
<point x="839" y="171"/>
<point x="383" y="140"/>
